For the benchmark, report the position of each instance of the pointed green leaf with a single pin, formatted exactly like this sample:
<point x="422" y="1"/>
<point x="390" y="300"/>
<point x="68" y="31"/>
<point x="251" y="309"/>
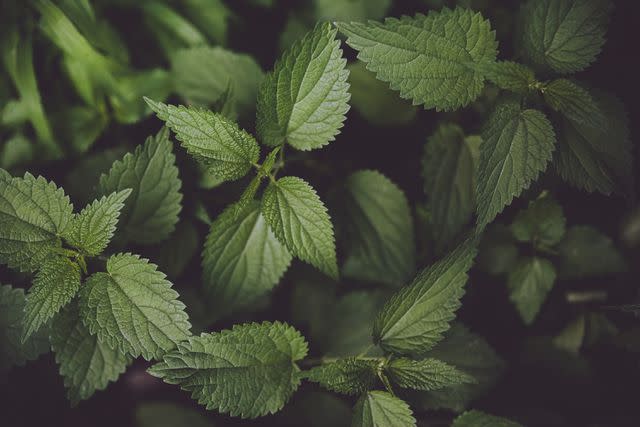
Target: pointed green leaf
<point x="133" y="307"/>
<point x="480" y="419"/>
<point x="242" y="259"/>
<point x="586" y="252"/>
<point x="542" y="223"/>
<point x="248" y="371"/>
<point x="228" y="151"/>
<point x="303" y="101"/>
<point x="349" y="376"/>
<point x="574" y="102"/>
<point x="86" y="363"/>
<point x="413" y="320"/>
<point x="151" y="211"/>
<point x="300" y="220"/>
<point x="426" y="374"/>
<point x="92" y="229"/>
<point x="529" y="282"/>
<point x="54" y="286"/>
<point x="33" y="214"/>
<point x="517" y="145"/>
<point x="510" y="75"/>
<point x="381" y="409"/>
<point x="432" y="60"/>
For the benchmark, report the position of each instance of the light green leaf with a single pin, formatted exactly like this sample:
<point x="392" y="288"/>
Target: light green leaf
<point x="426" y="374"/>
<point x="242" y="259"/>
<point x="133" y="307"/>
<point x="16" y="151"/>
<point x="432" y="60"/>
<point x="529" y="282"/>
<point x="413" y="320"/>
<point x="349" y="376"/>
<point x="586" y="252"/>
<point x="596" y="158"/>
<point x="151" y="212"/>
<point x="34" y="213"/>
<point x="55" y="285"/>
<point x="129" y="107"/>
<point x="248" y="371"/>
<point x="374" y="100"/>
<point x="203" y="74"/>
<point x="381" y="409"/>
<point x="212" y="17"/>
<point x="480" y="419"/>
<point x="12" y="350"/>
<point x="564" y="35"/>
<point x="542" y="223"/>
<point x="574" y="102"/>
<point x="352" y="10"/>
<point x="378" y="229"/>
<point x="86" y="363"/>
<point x="303" y="101"/>
<point x="510" y="75"/>
<point x="228" y="151"/>
<point x="300" y="220"/>
<point x="449" y="168"/>
<point x="517" y="145"/>
<point x="166" y="414"/>
<point x="92" y="229"/>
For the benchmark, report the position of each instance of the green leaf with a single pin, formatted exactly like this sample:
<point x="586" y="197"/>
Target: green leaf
<point x="133" y="307"/>
<point x="151" y="212"/>
<point x="242" y="259"/>
<point x="16" y="151"/>
<point x="203" y="74"/>
<point x="228" y="151"/>
<point x="166" y="414"/>
<point x="510" y="75"/>
<point x="480" y="419"/>
<point x="210" y="16"/>
<point x="378" y="229"/>
<point x="34" y="213"/>
<point x="300" y="220"/>
<point x="517" y="145"/>
<point x="86" y="363"/>
<point x="374" y="100"/>
<point x="574" y="102"/>
<point x="413" y="320"/>
<point x="381" y="409"/>
<point x="564" y="35"/>
<point x="432" y="60"/>
<point x="248" y="371"/>
<point x="586" y="252"/>
<point x="12" y="350"/>
<point x="529" y="282"/>
<point x="542" y="223"/>
<point x="449" y="167"/>
<point x="349" y="376"/>
<point x="55" y="285"/>
<point x="353" y="10"/>
<point x="303" y="101"/>
<point x="426" y="374"/>
<point x="596" y="158"/>
<point x="92" y="229"/>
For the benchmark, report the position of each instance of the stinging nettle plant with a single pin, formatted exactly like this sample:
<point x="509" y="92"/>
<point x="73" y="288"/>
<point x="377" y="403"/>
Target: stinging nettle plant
<point x="98" y="306"/>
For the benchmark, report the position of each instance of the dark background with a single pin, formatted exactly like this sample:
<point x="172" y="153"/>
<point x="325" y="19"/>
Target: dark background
<point x="34" y="395"/>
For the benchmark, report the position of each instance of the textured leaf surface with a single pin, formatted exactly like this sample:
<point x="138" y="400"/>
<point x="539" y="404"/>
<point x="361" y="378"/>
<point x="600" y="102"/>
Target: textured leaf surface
<point x="378" y="229"/>
<point x="517" y="145"/>
<point x="12" y="350"/>
<point x="586" y="252"/>
<point x="449" y="167"/>
<point x="300" y="220"/>
<point x="432" y="60"/>
<point x="413" y="320"/>
<point x="529" y="284"/>
<point x="220" y="144"/>
<point x="564" y="35"/>
<point x="426" y="374"/>
<point x="542" y="223"/>
<point x="574" y="102"/>
<point x="349" y="376"/>
<point x="509" y="75"/>
<point x="480" y="419"/>
<point x="54" y="286"/>
<point x="248" y="371"/>
<point x="381" y="409"/>
<point x="303" y="101"/>
<point x="151" y="211"/>
<point x="33" y="215"/>
<point x="86" y="363"/>
<point x="242" y="258"/>
<point x="92" y="229"/>
<point x="133" y="307"/>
